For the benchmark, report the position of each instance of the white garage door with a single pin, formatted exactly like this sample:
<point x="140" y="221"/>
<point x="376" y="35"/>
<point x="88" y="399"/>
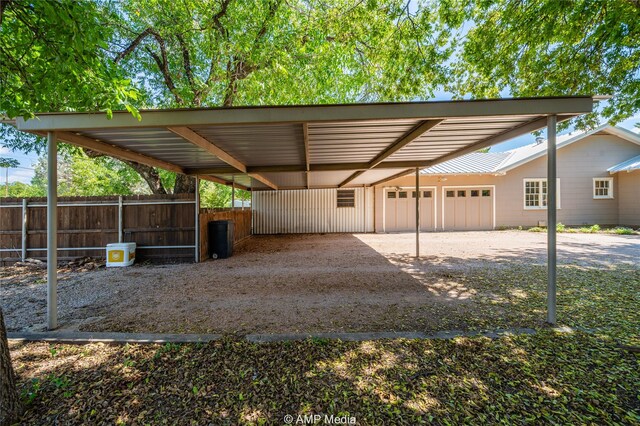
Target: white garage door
<point x="400" y="210"/>
<point x="468" y="209"/>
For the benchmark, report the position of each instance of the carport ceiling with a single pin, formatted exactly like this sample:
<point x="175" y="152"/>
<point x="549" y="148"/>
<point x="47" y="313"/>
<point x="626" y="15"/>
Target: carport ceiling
<point x="319" y="146"/>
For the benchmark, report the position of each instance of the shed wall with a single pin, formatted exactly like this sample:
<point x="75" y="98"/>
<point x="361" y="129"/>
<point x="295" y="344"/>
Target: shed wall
<point x="311" y="211"/>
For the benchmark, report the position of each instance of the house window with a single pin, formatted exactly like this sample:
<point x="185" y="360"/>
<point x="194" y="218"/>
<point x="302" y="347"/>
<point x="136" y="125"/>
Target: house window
<point x="427" y="194"/>
<point x="602" y="188"/>
<point x="535" y="194"/>
<point x="451" y="194"/>
<point x="346" y="198"/>
<point x="475" y="193"/>
<point x="462" y="193"/>
<point x="486" y="193"/>
<point x="413" y="194"/>
<point x="391" y="194"/>
<point x="402" y="194"/>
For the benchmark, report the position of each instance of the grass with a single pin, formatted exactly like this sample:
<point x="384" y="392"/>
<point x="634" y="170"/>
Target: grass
<point x="621" y="230"/>
<point x="591" y="229"/>
<point x="549" y="377"/>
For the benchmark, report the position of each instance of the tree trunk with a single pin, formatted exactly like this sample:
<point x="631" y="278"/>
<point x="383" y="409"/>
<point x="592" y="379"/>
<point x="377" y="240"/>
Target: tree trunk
<point x="10" y="404"/>
<point x="150" y="175"/>
<point x="184" y="185"/>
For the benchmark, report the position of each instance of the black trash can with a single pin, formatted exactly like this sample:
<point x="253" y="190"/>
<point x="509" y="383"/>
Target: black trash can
<point x="220" y="239"/>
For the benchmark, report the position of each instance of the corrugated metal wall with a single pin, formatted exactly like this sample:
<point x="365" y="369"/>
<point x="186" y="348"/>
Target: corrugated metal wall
<point x="310" y="211"/>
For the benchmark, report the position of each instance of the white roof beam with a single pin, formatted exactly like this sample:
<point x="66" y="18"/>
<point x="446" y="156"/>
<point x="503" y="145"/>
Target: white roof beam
<point x="405" y="140"/>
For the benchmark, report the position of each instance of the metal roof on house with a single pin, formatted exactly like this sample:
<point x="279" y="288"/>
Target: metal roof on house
<point x="626" y="166"/>
<point x="474" y="163"/>
<point x="313" y="146"/>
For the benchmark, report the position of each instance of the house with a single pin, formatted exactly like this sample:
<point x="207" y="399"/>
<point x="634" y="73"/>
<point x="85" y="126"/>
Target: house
<point x="598" y="182"/>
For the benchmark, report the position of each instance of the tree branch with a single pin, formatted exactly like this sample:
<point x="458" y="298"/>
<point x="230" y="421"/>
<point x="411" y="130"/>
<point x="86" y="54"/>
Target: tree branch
<point x="3" y="6"/>
<point x="186" y="60"/>
<point x="216" y="18"/>
<point x="238" y="68"/>
<point x="133" y="45"/>
<point x="163" y="66"/>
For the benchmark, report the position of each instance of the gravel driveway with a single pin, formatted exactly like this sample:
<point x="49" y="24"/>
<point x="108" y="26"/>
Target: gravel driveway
<point x="307" y="283"/>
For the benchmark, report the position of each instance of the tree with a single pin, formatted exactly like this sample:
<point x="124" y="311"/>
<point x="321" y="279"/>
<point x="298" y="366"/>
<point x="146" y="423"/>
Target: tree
<point x="80" y="175"/>
<point x="10" y="404"/>
<point x="226" y="53"/>
<point x="24" y="190"/>
<point x="53" y="58"/>
<point x="549" y="48"/>
<point x="214" y="195"/>
<point x="8" y="163"/>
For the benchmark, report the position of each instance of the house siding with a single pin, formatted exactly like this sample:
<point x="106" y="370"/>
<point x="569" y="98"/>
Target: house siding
<point x="629" y="198"/>
<point x="578" y="164"/>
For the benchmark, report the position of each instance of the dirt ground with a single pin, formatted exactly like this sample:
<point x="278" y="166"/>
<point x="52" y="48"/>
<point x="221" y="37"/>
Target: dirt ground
<point x="309" y="283"/>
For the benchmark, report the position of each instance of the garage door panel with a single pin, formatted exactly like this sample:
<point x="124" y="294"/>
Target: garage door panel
<point x="468" y="208"/>
<point x="400" y="210"/>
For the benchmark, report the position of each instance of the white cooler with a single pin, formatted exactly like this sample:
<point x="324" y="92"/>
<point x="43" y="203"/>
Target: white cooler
<point x="121" y="254"/>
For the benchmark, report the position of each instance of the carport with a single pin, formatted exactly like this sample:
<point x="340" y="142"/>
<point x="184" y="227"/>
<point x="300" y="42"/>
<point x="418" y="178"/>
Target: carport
<point x="306" y="147"/>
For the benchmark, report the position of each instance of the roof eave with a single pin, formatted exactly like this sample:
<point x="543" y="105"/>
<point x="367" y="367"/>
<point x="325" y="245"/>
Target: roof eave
<point x="309" y="113"/>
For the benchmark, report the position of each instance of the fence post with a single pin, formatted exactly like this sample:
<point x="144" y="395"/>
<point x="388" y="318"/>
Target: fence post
<point x="24" y="229"/>
<point x="233" y="192"/>
<point x="120" y="218"/>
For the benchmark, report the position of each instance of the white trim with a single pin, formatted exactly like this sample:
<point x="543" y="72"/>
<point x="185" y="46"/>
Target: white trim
<point x="493" y="187"/>
<point x="411" y="188"/>
<point x="610" y="196"/>
<point x="540" y="207"/>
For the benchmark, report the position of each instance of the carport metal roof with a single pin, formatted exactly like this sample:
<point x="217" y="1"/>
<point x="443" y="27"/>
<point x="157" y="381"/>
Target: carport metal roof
<point x="319" y="146"/>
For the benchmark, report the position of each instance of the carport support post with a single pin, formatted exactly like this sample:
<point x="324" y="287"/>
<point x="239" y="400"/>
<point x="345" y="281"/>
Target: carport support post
<point x="52" y="231"/>
<point x="197" y="221"/>
<point x="24" y="229"/>
<point x="417" y="212"/>
<point x="551" y="218"/>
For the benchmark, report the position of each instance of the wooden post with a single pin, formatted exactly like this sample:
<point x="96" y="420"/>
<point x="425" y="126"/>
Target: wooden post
<point x="233" y="192"/>
<point x="120" y="227"/>
<point x="24" y="229"/>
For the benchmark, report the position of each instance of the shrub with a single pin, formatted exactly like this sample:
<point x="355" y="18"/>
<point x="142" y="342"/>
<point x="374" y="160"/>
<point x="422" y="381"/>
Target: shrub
<point x="621" y="230"/>
<point x="536" y="229"/>
<point x="560" y="227"/>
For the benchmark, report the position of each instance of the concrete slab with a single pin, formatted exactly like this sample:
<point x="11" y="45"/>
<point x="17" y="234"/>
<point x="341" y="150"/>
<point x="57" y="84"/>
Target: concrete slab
<point x="80" y="337"/>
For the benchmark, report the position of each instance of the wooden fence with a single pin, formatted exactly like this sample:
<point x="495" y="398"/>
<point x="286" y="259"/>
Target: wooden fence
<point x="242" y="225"/>
<point x="163" y="227"/>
